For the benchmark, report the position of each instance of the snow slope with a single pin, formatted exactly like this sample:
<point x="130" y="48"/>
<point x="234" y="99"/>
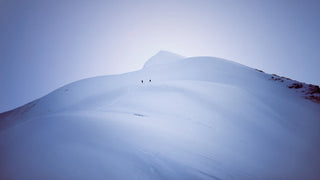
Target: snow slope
<point x="199" y="118"/>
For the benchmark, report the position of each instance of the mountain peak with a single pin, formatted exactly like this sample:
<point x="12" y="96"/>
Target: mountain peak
<point x="162" y="57"/>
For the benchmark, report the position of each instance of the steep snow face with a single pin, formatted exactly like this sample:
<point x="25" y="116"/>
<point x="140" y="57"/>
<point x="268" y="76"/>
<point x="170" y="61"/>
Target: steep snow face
<point x="198" y="118"/>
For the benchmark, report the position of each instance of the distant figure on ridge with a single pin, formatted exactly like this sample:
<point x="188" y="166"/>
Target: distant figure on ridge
<point x="141" y="81"/>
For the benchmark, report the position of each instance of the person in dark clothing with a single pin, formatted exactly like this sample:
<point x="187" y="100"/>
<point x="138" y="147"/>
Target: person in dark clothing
<point x="141" y="81"/>
<point x="149" y="80"/>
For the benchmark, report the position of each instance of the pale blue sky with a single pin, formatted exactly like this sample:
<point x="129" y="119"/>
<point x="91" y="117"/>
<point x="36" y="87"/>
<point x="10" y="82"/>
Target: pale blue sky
<point x="47" y="44"/>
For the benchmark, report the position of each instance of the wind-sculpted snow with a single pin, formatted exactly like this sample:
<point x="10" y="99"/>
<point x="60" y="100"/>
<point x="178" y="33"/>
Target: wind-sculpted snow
<point x="199" y="118"/>
<point x="163" y="57"/>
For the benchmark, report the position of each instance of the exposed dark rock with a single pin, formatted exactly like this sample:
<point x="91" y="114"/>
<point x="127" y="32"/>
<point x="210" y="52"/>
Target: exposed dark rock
<point x="259" y="70"/>
<point x="308" y="91"/>
<point x="296" y="85"/>
<point x="313" y="89"/>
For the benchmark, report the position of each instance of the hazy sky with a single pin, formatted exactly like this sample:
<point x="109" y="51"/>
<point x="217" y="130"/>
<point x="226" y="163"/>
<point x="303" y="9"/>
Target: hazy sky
<point x="47" y="44"/>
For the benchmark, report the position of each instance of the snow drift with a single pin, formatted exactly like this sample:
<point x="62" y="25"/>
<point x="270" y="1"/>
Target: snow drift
<point x="199" y="118"/>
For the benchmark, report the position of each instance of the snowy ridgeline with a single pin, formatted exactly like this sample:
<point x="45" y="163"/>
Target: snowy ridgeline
<point x="199" y="118"/>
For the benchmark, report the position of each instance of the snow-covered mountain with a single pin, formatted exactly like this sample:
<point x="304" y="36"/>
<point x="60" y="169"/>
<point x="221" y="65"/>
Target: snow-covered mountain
<point x="198" y="118"/>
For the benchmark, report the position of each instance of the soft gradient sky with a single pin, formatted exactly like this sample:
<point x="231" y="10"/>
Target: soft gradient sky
<point x="47" y="44"/>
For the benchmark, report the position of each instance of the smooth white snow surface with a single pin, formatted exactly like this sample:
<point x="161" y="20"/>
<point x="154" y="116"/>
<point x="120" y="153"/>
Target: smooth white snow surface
<point x="199" y="118"/>
<point x="163" y="57"/>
